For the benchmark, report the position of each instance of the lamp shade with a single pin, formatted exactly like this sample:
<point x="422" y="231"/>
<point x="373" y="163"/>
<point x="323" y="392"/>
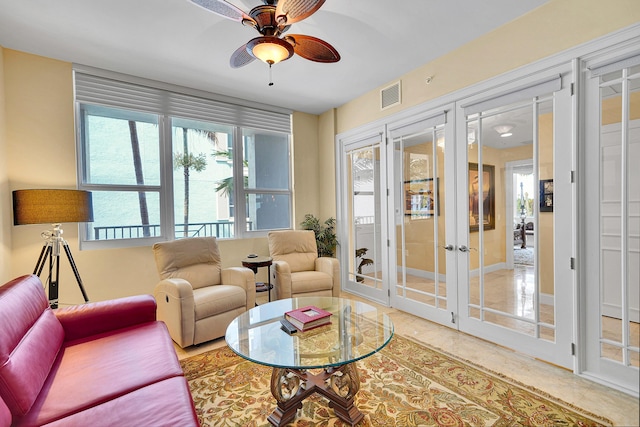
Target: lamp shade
<point x="51" y="206"/>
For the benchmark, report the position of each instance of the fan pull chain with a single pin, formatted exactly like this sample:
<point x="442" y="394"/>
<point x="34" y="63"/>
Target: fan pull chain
<point x="270" y="77"/>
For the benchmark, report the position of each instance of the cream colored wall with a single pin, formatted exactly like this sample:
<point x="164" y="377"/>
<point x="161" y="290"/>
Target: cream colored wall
<point x="327" y="164"/>
<point x="305" y="166"/>
<point x="5" y="194"/>
<point x="547" y="30"/>
<point x="40" y="148"/>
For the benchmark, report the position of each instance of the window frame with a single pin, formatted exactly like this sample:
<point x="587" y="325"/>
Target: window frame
<point x="248" y="114"/>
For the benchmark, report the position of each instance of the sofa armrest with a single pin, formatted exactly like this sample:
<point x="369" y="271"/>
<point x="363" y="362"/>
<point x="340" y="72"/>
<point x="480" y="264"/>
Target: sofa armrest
<point x="330" y="266"/>
<point x="282" y="279"/>
<point x="89" y="319"/>
<point x="244" y="278"/>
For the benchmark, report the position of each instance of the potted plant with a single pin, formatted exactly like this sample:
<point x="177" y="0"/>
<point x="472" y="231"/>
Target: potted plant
<point x="360" y="253"/>
<point x="326" y="238"/>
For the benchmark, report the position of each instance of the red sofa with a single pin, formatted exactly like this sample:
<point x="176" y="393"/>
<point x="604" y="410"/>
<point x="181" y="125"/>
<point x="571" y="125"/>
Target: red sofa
<point x="99" y="364"/>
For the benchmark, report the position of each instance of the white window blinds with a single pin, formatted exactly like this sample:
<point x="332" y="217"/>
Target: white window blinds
<point x="105" y="91"/>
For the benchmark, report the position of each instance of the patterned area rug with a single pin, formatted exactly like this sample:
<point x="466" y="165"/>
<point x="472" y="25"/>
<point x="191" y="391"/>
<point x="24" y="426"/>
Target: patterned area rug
<point x="523" y="256"/>
<point x="406" y="384"/>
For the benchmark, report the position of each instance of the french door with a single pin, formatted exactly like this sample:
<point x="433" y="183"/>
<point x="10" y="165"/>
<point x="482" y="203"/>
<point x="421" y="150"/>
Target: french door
<point x="612" y="224"/>
<point x="421" y="226"/>
<point x="515" y="276"/>
<point x="363" y="253"/>
<point x="423" y="217"/>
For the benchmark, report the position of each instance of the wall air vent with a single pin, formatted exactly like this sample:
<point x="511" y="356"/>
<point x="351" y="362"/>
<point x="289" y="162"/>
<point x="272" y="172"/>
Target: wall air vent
<point x="390" y="96"/>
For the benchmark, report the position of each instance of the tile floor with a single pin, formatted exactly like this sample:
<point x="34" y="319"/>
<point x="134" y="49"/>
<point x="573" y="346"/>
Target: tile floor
<point x="622" y="409"/>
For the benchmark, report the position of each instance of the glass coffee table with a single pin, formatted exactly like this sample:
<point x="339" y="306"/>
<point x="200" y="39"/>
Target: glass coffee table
<point x="357" y="330"/>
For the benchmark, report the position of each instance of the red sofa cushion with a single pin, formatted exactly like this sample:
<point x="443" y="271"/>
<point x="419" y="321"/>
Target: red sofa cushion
<point x="90" y="372"/>
<point x="29" y="344"/>
<point x="166" y="403"/>
<point x="86" y="320"/>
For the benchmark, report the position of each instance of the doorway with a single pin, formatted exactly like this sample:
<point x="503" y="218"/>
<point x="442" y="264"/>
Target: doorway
<point x="520" y="213"/>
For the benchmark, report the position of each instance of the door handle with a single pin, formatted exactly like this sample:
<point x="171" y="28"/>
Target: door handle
<point x="449" y="247"/>
<point x="463" y="248"/>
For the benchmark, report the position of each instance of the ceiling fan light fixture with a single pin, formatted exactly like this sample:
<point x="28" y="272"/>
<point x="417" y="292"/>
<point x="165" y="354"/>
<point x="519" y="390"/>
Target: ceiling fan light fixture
<point x="270" y="50"/>
<point x="504" y="130"/>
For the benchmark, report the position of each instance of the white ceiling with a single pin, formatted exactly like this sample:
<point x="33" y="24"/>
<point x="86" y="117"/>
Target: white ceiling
<point x="177" y="42"/>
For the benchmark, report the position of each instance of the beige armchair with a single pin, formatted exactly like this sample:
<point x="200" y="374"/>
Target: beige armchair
<point x="297" y="270"/>
<point x="196" y="298"/>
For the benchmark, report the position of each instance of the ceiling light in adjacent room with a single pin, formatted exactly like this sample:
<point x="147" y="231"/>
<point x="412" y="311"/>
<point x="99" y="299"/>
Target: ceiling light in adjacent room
<point x="471" y="137"/>
<point x="504" y="130"/>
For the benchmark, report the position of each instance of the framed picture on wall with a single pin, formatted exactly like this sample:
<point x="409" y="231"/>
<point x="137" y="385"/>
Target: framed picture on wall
<point x="486" y="197"/>
<point x="546" y="195"/>
<point x="421" y="198"/>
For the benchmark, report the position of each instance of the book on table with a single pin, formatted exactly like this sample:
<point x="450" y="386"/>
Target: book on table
<point x="308" y="317"/>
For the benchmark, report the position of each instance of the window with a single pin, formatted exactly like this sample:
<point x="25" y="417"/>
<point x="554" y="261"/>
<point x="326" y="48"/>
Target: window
<point x="202" y="178"/>
<point x="164" y="165"/>
<point x="265" y="158"/>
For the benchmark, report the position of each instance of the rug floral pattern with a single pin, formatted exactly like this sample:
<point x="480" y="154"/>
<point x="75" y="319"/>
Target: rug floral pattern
<point x="406" y="384"/>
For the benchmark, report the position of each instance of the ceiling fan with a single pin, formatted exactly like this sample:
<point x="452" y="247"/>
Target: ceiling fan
<point x="272" y="20"/>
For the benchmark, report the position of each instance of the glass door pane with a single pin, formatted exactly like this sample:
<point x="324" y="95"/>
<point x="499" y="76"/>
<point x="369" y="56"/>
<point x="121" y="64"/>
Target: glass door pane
<point x="420" y="215"/>
<point x="363" y="206"/>
<point x="517" y="297"/>
<point x="620" y="216"/>
<point x="511" y="164"/>
<point x="611" y="215"/>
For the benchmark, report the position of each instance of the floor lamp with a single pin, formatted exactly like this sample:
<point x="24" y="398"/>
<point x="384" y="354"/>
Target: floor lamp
<point x="53" y="207"/>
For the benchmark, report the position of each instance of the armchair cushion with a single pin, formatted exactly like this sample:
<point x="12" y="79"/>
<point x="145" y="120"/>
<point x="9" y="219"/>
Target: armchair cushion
<point x="298" y="248"/>
<point x="196" y="260"/>
<point x="310" y="281"/>
<point x="212" y="300"/>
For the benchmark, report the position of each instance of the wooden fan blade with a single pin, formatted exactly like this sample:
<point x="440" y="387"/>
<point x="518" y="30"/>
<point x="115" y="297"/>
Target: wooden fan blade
<point x="290" y="11"/>
<point x="224" y="9"/>
<point x="313" y="48"/>
<point x="240" y="57"/>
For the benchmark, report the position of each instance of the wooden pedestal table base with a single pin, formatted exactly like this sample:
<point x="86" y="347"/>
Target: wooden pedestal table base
<point x="291" y="386"/>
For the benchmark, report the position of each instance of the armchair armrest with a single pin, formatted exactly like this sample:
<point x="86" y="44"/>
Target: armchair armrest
<point x="176" y="288"/>
<point x="94" y="318"/>
<point x="243" y="277"/>
<point x="176" y="308"/>
<point x="330" y="266"/>
<point x="282" y="282"/>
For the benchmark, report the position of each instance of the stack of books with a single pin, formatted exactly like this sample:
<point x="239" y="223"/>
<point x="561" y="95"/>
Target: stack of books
<point x="308" y="317"/>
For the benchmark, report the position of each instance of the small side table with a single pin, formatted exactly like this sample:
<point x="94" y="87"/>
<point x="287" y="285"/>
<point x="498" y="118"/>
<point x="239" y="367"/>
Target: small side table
<point x="254" y="264"/>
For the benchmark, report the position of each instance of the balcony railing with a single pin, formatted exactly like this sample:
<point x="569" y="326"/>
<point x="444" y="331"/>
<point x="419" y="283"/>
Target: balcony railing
<point x="220" y="229"/>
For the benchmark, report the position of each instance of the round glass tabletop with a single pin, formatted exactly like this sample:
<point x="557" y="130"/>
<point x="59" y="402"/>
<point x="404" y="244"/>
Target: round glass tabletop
<point x="356" y="331"/>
